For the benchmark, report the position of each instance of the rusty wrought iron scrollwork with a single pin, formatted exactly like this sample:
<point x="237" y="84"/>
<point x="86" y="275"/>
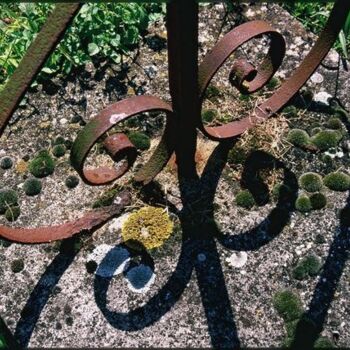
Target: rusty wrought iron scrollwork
<point x="244" y="76"/>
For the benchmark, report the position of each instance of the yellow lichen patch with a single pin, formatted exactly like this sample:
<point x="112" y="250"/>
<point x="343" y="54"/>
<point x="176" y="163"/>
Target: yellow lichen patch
<point x="149" y="226"/>
<point x="21" y="166"/>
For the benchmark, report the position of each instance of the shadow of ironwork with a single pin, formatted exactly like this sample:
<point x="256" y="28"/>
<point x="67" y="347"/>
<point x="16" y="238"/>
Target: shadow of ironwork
<point x="199" y="237"/>
<point x="43" y="290"/>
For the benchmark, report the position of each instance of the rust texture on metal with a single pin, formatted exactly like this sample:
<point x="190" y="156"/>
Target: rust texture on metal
<point x="107" y="119"/>
<point x="89" y="221"/>
<point x="262" y="74"/>
<point x="36" y="56"/>
<point x="188" y="82"/>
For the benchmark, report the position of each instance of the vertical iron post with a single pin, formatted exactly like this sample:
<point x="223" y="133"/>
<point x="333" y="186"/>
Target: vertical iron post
<point x="182" y="26"/>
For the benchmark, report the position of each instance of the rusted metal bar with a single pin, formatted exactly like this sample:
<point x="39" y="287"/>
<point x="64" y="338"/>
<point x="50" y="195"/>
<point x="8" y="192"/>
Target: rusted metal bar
<point x="107" y="119"/>
<point x="241" y="34"/>
<point x="90" y="221"/>
<point x="36" y="56"/>
<point x="182" y="26"/>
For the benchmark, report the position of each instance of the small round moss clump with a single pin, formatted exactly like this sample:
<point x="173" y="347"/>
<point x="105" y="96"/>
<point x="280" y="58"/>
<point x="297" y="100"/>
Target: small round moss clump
<point x="32" y="187"/>
<point x="303" y="204"/>
<point x="237" y="155"/>
<point x="326" y="139"/>
<point x="310" y="182"/>
<point x="323" y="343"/>
<point x="59" y="140"/>
<point x="72" y="181"/>
<point x="42" y="165"/>
<point x="12" y="213"/>
<point x="59" y="150"/>
<point x="212" y="91"/>
<point x="8" y="198"/>
<point x="299" y="138"/>
<point x="6" y="163"/>
<point x="334" y="124"/>
<point x="273" y="83"/>
<point x="314" y="131"/>
<point x="290" y="111"/>
<point x="208" y="115"/>
<point x="288" y="305"/>
<point x="149" y="226"/>
<point x="281" y="192"/>
<point x="318" y="201"/>
<point x="307" y="267"/>
<point x="140" y="140"/>
<point x="337" y="181"/>
<point x="17" y="265"/>
<point x="245" y="199"/>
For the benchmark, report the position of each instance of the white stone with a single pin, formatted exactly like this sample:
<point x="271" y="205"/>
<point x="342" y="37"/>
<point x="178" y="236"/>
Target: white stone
<point x="63" y="121"/>
<point x="322" y="97"/>
<point x="317" y="78"/>
<point x="237" y="259"/>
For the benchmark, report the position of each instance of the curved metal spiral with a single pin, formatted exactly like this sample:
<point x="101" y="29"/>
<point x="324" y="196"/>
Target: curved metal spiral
<point x="247" y="79"/>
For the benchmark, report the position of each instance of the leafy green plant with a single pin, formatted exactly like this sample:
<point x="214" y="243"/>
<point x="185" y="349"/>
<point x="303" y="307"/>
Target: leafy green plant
<point x="99" y="31"/>
<point x="314" y="15"/>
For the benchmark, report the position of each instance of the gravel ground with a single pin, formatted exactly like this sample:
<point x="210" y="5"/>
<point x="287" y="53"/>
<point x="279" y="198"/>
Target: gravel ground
<point x="215" y="291"/>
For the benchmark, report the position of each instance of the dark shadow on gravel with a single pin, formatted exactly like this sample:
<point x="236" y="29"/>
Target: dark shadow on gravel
<point x="199" y="251"/>
<point x="43" y="290"/>
<point x="327" y="283"/>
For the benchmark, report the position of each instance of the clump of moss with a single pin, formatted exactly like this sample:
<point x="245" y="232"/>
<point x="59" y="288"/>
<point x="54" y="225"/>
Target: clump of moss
<point x="17" y="265"/>
<point x="237" y="155"/>
<point x="310" y="182"/>
<point x="6" y="163"/>
<point x="290" y="111"/>
<point x="323" y="343"/>
<point x="59" y="150"/>
<point x="8" y="198"/>
<point x="32" y="187"/>
<point x="281" y="192"/>
<point x="288" y="305"/>
<point x="337" y="181"/>
<point x="42" y="165"/>
<point x="208" y="115"/>
<point x="140" y="140"/>
<point x="307" y="94"/>
<point x="326" y="139"/>
<point x="12" y="213"/>
<point x="149" y="226"/>
<point x="318" y="201"/>
<point x="334" y="124"/>
<point x="245" y="199"/>
<point x="314" y="131"/>
<point x="298" y="138"/>
<point x="273" y="83"/>
<point x="106" y="199"/>
<point x="212" y="92"/>
<point x="59" y="140"/>
<point x="303" y="204"/>
<point x="307" y="267"/>
<point x="72" y="181"/>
